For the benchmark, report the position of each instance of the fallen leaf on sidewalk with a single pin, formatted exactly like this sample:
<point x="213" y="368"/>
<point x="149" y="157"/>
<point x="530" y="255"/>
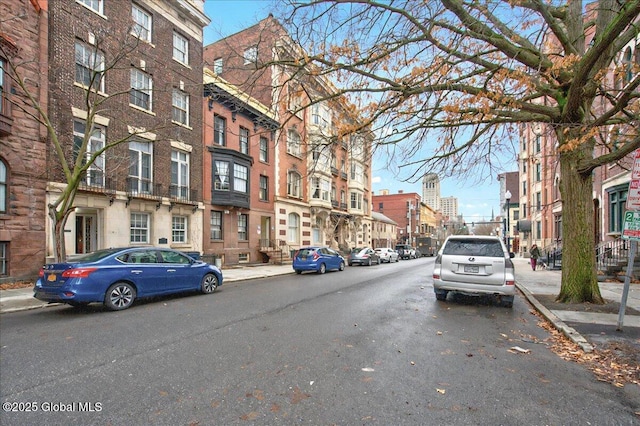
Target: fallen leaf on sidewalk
<point x="518" y="349"/>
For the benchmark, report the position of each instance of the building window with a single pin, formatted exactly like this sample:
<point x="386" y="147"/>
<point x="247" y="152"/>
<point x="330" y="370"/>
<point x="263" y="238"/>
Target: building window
<point x="293" y="228"/>
<point x="244" y="140"/>
<point x="4" y="258"/>
<point x="89" y="67"/>
<point x="264" y="149"/>
<point x="95" y="172"/>
<point x="628" y="65"/>
<point x="217" y="66"/>
<point x="524" y="188"/>
<point x="141" y="23"/>
<point x="179" y="229"/>
<point x="180" y="107"/>
<point x="617" y="205"/>
<point x="251" y="55"/>
<point x="240" y="178"/>
<point x="380" y="206"/>
<point x="538" y="230"/>
<point x="538" y="143"/>
<point x="538" y="201"/>
<point x="538" y="172"/>
<point x="180" y="48"/>
<point x="356" y="201"/>
<point x="139" y="228"/>
<point x="95" y="5"/>
<point x="264" y="188"/>
<point x="219" y="130"/>
<point x="221" y="176"/>
<point x="243" y="257"/>
<point x="180" y="175"/>
<point x="243" y="224"/>
<point x="293" y="143"/>
<point x="293" y="185"/>
<point x="4" y="185"/>
<point x="321" y="188"/>
<point x="141" y="86"/>
<point x="216" y="225"/>
<point x="140" y="167"/>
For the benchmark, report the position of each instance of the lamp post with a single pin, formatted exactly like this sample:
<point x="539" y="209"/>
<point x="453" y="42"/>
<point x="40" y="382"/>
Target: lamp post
<point x="507" y="196"/>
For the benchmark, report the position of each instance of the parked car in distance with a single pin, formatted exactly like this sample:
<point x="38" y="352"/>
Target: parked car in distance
<point x="318" y="259"/>
<point x="387" y="254"/>
<point x="405" y="251"/>
<point x="475" y="265"/>
<point x="117" y="277"/>
<point x="363" y="256"/>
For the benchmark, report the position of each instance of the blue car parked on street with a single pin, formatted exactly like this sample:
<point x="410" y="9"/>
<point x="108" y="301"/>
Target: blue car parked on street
<point x="318" y="259"/>
<point x="118" y="276"/>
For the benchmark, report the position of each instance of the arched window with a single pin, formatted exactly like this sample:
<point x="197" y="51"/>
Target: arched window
<point x="294" y="188"/>
<point x="293" y="142"/>
<point x="293" y="232"/>
<point x="4" y="190"/>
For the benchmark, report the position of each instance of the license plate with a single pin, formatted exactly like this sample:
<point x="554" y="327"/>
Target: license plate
<point x="51" y="277"/>
<point x="472" y="269"/>
<point x="303" y="257"/>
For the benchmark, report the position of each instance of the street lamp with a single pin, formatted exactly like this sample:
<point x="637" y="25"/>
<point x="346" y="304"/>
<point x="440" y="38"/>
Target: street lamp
<point x="507" y="195"/>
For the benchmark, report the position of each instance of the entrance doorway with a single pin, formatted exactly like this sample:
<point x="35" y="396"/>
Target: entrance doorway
<point x="86" y="233"/>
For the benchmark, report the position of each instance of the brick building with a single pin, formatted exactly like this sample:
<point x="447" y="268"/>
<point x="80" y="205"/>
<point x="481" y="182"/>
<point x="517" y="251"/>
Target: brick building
<point x="139" y="65"/>
<point x="23" y="43"/>
<point x="239" y="173"/>
<point x="322" y="190"/>
<point x="404" y="209"/>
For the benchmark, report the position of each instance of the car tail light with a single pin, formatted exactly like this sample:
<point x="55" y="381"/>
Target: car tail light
<point x="41" y="272"/>
<point x="316" y="256"/>
<point x="296" y="253"/>
<point x="78" y="272"/>
<point x="510" y="282"/>
<point x="436" y="276"/>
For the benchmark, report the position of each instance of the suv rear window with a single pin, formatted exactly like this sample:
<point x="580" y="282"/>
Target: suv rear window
<point x="473" y="248"/>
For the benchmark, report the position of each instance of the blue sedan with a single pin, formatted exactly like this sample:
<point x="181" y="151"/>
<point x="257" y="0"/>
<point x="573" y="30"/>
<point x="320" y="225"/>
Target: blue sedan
<point x="318" y="259"/>
<point x="117" y="277"/>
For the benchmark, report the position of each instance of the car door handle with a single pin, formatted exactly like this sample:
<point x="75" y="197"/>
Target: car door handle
<point x="136" y="271"/>
<point x="171" y="270"/>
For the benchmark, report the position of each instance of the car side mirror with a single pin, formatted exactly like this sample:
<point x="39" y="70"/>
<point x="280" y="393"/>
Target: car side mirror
<point x="512" y="255"/>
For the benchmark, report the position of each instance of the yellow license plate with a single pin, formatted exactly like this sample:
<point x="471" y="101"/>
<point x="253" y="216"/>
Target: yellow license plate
<point x="51" y="277"/>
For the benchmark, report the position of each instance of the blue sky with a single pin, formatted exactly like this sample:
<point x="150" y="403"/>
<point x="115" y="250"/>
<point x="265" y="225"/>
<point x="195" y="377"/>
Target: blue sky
<point x="475" y="201"/>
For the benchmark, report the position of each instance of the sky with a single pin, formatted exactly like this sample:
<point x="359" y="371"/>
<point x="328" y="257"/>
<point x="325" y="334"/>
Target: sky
<point x="475" y="201"/>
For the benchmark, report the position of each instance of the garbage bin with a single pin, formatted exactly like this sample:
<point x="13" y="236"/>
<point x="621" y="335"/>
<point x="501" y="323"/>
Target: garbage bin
<point x="218" y="262"/>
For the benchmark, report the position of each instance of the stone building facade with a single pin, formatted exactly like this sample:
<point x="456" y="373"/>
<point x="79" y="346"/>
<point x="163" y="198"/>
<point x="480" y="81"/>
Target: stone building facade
<point x="23" y="165"/>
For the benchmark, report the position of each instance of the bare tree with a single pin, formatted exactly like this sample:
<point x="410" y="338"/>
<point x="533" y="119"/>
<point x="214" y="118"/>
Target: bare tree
<point x="447" y="86"/>
<point x="108" y="54"/>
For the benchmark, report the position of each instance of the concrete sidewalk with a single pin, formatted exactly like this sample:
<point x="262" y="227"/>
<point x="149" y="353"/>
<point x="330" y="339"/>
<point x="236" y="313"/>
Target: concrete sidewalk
<point x="584" y="328"/>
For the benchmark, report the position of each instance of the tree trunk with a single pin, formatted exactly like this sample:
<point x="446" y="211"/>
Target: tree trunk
<point x="59" y="221"/>
<point x="579" y="276"/>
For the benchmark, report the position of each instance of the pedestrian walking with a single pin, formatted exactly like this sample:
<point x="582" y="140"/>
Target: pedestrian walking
<point x="535" y="254"/>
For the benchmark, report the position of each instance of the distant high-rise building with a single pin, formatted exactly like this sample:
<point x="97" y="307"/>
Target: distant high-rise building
<point x="449" y="208"/>
<point x="431" y="191"/>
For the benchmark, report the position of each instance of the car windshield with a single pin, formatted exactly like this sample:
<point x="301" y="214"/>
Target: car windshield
<point x="93" y="256"/>
<point x="357" y="250"/>
<point x="483" y="248"/>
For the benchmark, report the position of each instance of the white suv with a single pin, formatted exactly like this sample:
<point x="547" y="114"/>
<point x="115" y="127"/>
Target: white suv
<point x="387" y="255"/>
<point x="474" y="264"/>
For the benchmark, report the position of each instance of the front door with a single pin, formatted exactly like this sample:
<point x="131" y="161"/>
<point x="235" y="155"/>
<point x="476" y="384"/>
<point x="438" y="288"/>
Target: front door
<point x="265" y="228"/>
<point x="86" y="233"/>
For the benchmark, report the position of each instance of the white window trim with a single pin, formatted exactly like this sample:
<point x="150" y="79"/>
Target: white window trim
<point x="149" y="30"/>
<point x="186" y="45"/>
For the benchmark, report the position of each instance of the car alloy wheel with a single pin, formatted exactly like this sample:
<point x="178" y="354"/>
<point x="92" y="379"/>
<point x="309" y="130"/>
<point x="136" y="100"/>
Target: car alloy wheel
<point x="322" y="269"/>
<point x="341" y="267"/>
<point x="120" y="296"/>
<point x="209" y="284"/>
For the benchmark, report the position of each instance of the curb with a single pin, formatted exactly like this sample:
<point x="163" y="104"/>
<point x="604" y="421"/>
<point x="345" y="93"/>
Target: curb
<point x="569" y="332"/>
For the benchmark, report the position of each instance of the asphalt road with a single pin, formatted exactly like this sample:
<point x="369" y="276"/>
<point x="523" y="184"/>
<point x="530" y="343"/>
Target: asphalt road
<point x="369" y="345"/>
